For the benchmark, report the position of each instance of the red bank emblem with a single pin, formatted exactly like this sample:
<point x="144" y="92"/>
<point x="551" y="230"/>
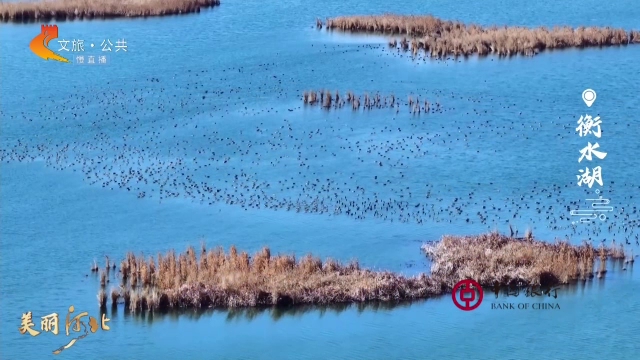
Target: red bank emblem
<point x="470" y="296"/>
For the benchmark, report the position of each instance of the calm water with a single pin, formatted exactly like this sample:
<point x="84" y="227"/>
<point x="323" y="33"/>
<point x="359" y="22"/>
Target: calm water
<point x="214" y="98"/>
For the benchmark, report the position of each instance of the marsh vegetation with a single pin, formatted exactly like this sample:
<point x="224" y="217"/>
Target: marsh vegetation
<point x="234" y="279"/>
<point x="219" y="279"/>
<point x="60" y="10"/>
<point x="442" y="38"/>
<point x="493" y="257"/>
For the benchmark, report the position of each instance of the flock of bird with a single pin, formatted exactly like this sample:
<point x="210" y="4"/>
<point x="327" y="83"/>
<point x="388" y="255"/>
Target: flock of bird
<point x="240" y="136"/>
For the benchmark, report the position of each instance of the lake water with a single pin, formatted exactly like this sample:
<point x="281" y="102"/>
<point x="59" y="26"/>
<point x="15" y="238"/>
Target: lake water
<point x="215" y="98"/>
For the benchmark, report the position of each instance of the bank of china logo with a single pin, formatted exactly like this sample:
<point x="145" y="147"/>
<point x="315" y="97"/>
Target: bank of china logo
<point x="39" y="44"/>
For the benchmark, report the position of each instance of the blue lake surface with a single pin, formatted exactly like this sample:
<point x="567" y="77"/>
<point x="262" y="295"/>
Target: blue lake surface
<point x="101" y="160"/>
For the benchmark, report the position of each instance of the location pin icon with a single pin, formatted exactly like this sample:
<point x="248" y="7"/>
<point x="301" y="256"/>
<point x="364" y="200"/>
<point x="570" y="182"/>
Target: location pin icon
<point x="589" y="97"/>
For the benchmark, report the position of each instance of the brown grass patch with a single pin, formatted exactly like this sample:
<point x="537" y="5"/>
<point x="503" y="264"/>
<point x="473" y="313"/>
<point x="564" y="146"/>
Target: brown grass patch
<point x="440" y="38"/>
<point x="493" y="257"/>
<point x="233" y="279"/>
<point x="215" y="278"/>
<point x="60" y="10"/>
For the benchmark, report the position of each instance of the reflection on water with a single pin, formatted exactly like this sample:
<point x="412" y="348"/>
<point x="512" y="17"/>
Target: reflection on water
<point x="248" y="314"/>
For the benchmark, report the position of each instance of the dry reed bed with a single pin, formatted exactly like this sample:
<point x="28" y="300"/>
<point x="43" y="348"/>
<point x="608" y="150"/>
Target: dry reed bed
<point x="493" y="257"/>
<point x="229" y="280"/>
<point x="327" y="100"/>
<point x="439" y="38"/>
<point x="214" y="278"/>
<point x="59" y="10"/>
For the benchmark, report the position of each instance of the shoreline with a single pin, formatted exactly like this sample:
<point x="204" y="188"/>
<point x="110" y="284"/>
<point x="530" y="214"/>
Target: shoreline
<point x="219" y="280"/>
<point x="63" y="10"/>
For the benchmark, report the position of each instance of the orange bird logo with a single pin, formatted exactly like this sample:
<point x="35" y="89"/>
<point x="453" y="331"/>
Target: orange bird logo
<point x="39" y="43"/>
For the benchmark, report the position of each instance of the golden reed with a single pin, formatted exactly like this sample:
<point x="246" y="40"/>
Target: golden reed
<point x="495" y="257"/>
<point x="440" y="38"/>
<point x="214" y="278"/>
<point x="59" y="10"/>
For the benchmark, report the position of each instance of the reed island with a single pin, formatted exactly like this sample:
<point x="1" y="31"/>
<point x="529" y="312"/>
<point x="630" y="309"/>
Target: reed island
<point x="218" y="279"/>
<point x="60" y="10"/>
<point x="439" y="39"/>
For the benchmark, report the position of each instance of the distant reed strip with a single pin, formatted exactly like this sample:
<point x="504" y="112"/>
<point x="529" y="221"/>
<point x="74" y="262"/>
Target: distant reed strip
<point x="214" y="278"/>
<point x="59" y="10"/>
<point x="440" y="38"/>
<point x="328" y="100"/>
